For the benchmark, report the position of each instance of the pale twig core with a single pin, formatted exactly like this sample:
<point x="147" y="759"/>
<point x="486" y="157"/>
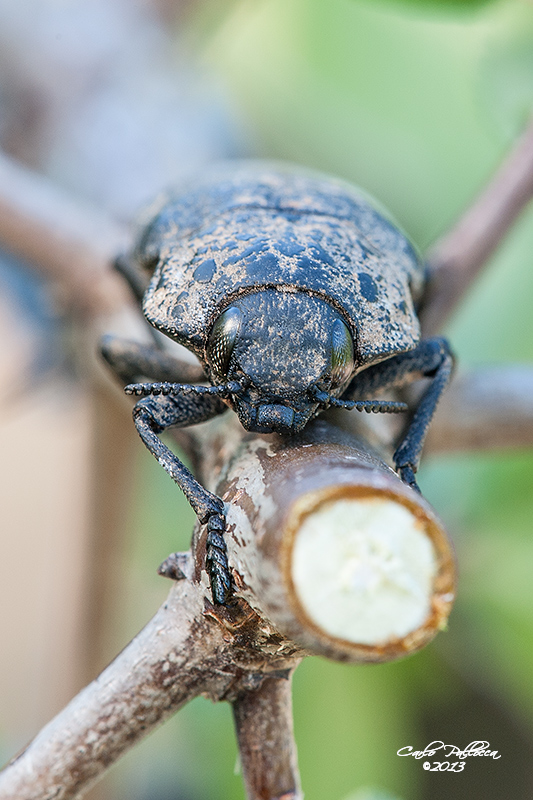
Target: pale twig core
<point x="371" y="582"/>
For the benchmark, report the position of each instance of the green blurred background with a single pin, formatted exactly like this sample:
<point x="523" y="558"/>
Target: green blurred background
<point x="416" y="102"/>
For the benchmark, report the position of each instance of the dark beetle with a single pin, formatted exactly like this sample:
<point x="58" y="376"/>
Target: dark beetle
<point x="297" y="294"/>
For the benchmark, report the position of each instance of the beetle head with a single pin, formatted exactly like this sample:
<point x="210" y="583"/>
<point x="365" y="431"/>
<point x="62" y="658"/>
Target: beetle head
<point x="281" y="346"/>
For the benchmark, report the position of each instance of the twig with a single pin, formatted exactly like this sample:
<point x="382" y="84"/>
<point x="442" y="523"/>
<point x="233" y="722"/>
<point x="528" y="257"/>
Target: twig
<point x="179" y="654"/>
<point x="456" y="260"/>
<point x="263" y="720"/>
<point x="192" y="647"/>
<point x="295" y="509"/>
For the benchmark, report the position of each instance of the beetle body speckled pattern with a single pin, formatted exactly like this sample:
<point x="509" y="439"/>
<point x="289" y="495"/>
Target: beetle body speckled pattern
<point x="240" y="229"/>
<point x="296" y="292"/>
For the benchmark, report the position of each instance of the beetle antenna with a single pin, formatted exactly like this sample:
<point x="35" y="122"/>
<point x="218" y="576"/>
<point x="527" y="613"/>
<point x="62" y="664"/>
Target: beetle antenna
<point x="167" y="388"/>
<point x="326" y="400"/>
<point x="370" y="406"/>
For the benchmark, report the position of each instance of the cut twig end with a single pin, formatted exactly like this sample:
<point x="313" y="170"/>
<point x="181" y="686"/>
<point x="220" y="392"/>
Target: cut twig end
<point x="328" y="545"/>
<point x="369" y="568"/>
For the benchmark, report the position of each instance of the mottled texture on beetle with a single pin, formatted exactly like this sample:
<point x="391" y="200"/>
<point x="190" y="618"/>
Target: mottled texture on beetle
<point x="297" y="294"/>
<point x="244" y="228"/>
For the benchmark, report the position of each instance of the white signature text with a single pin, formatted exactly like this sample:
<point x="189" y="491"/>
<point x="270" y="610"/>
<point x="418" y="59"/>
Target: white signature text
<point x="449" y="750"/>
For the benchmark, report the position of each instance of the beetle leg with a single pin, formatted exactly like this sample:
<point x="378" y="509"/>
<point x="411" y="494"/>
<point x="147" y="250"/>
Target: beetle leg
<point x="135" y="278"/>
<point x="131" y="361"/>
<point x="153" y="415"/>
<point x="408" y="452"/>
<point x="433" y="359"/>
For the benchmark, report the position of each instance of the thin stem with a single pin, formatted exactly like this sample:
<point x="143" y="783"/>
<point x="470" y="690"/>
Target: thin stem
<point x="485" y="409"/>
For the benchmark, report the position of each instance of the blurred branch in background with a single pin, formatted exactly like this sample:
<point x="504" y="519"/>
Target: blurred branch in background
<point x="485" y="409"/>
<point x="70" y="244"/>
<point x="457" y="258"/>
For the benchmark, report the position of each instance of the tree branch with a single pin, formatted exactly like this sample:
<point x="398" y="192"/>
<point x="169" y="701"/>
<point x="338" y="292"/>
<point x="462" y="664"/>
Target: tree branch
<point x="67" y="241"/>
<point x="396" y="578"/>
<point x="456" y="260"/>
<point x="297" y="513"/>
<point x="485" y="409"/>
<point x="263" y="720"/>
<point x="181" y="653"/>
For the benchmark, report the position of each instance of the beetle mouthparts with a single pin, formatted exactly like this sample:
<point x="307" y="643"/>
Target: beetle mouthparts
<point x="275" y="418"/>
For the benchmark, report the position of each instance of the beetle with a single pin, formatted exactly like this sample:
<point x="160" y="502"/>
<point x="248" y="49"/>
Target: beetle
<point x="297" y="293"/>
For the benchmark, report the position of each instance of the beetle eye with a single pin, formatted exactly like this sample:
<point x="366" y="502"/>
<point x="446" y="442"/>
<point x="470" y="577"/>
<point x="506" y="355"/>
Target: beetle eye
<point x="222" y="339"/>
<point x="342" y="362"/>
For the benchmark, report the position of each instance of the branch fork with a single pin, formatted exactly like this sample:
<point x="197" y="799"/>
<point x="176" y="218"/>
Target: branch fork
<point x="279" y="493"/>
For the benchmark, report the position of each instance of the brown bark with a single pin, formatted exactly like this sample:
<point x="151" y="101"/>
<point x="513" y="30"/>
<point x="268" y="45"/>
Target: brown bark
<point x="263" y="720"/>
<point x="192" y="647"/>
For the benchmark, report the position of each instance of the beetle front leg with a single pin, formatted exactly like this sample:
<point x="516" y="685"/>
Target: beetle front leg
<point x="153" y="415"/>
<point x="407" y="454"/>
<point x="432" y="358"/>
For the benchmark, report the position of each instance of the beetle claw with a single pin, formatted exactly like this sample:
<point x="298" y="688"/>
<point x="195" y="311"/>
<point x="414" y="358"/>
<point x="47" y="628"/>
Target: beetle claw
<point x="216" y="560"/>
<point x="407" y="474"/>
